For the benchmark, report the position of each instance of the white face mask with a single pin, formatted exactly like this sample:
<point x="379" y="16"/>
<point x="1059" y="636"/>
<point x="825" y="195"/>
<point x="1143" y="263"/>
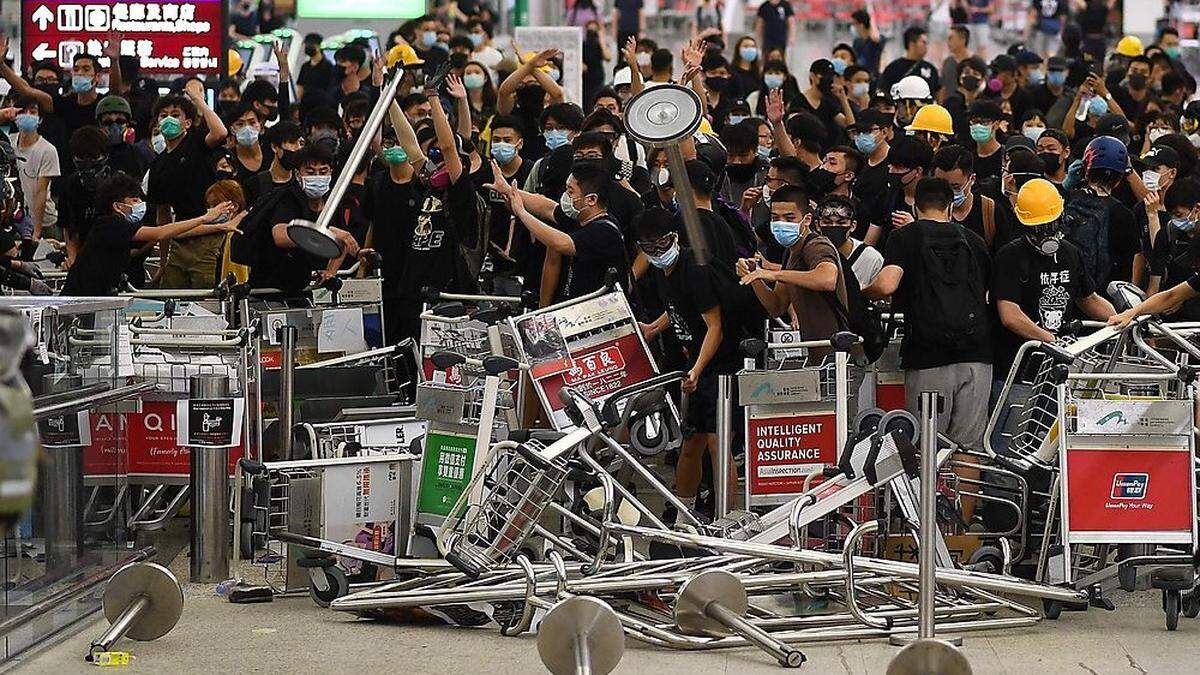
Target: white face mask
<point x="1150" y="179"/>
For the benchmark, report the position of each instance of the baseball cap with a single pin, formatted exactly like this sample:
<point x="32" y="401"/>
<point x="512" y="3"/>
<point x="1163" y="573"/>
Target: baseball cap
<point x="1019" y="141"/>
<point x="1027" y="58"/>
<point x="1056" y="63"/>
<point x="1003" y="63"/>
<point x="822" y="67"/>
<point x="1161" y="156"/>
<point x="701" y="176"/>
<point x="622" y="76"/>
<point x="1112" y="124"/>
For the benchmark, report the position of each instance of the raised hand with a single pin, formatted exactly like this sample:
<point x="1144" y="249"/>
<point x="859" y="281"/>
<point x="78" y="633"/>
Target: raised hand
<point x="113" y="48"/>
<point x="775" y="106"/>
<point x="630" y="52"/>
<point x="455" y="87"/>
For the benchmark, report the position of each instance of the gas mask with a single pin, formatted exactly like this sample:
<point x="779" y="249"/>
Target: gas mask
<point x="1044" y="238"/>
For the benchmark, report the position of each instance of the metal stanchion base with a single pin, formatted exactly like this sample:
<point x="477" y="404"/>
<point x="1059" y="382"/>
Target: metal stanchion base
<point x="909" y="638"/>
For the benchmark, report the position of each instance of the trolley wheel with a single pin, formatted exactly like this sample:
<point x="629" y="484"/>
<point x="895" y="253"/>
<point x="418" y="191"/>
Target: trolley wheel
<point x="867" y="421"/>
<point x="645" y="441"/>
<point x="902" y="421"/>
<point x="1171" y="608"/>
<point x="987" y="559"/>
<point x="1052" y="609"/>
<point x="247" y="540"/>
<point x="338" y="585"/>
<point x="1191" y="605"/>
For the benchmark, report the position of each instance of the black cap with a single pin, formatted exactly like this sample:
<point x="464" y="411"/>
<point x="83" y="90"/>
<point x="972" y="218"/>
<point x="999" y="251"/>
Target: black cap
<point x="701" y="176"/>
<point x="911" y="152"/>
<point x="1161" y="155"/>
<point x="1019" y="141"/>
<point x="1112" y="124"/>
<point x="1004" y="64"/>
<point x="1027" y="58"/>
<point x="985" y="109"/>
<point x="822" y="67"/>
<point x="1056" y="63"/>
<point x="872" y="118"/>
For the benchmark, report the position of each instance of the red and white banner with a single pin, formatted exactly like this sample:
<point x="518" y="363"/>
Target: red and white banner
<point x="140" y="444"/>
<point x="784" y="448"/>
<point x="602" y="369"/>
<point x="1113" y="493"/>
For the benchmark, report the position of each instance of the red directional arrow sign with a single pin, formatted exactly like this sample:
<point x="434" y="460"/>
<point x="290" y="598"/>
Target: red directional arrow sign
<point x="166" y="37"/>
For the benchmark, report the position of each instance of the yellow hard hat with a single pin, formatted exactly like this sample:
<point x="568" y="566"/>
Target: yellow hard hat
<point x="1130" y="45"/>
<point x="404" y="54"/>
<point x="235" y="63"/>
<point x="1038" y="203"/>
<point x="932" y="117"/>
<point x="529" y="56"/>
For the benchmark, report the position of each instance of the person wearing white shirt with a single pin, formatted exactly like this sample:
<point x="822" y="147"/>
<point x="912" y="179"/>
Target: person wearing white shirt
<point x="480" y="34"/>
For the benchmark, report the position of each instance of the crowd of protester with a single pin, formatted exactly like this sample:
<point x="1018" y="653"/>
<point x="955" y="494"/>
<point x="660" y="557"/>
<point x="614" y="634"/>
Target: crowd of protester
<point x="991" y="201"/>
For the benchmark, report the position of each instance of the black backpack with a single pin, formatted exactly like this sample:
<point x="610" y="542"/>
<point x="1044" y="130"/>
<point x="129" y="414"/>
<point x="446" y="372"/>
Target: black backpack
<point x="859" y="315"/>
<point x="950" y="291"/>
<point x="255" y="237"/>
<point x="1085" y="224"/>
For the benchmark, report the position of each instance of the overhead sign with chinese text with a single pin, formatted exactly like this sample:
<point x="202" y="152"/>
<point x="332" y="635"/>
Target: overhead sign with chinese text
<point x="166" y="37"/>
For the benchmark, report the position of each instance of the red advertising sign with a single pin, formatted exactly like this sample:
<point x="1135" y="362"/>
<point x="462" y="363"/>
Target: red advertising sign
<point x="143" y="442"/>
<point x="781" y="450"/>
<point x="1122" y="490"/>
<point x="601" y="370"/>
<point x="167" y="36"/>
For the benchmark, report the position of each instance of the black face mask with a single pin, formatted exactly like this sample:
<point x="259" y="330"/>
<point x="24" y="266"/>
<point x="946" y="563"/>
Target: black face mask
<point x="310" y="50"/>
<point x="836" y="235"/>
<point x="896" y="181"/>
<point x="92" y="174"/>
<point x="970" y="83"/>
<point x="1051" y="160"/>
<point x="741" y="173"/>
<point x="822" y="181"/>
<point x="49" y="88"/>
<point x="717" y="84"/>
<point x="1137" y="82"/>
<point x="224" y="107"/>
<point x="287" y="159"/>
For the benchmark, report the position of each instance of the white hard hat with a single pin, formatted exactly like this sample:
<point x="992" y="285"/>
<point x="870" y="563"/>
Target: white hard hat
<point x="623" y="76"/>
<point x="910" y="88"/>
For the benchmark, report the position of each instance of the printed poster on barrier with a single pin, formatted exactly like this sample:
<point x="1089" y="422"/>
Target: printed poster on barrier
<point x="143" y="443"/>
<point x="71" y="430"/>
<point x="359" y="507"/>
<point x="544" y="345"/>
<point x="209" y="422"/>
<point x="1133" y="417"/>
<point x="446" y="466"/>
<point x="1129" y="495"/>
<point x="783" y="447"/>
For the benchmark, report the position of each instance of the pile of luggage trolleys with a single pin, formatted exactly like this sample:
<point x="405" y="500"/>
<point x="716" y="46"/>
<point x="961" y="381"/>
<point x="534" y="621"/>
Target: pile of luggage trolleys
<point x="1087" y="481"/>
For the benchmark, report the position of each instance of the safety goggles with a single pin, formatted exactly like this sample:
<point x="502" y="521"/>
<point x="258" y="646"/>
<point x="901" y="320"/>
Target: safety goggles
<point x="657" y="247"/>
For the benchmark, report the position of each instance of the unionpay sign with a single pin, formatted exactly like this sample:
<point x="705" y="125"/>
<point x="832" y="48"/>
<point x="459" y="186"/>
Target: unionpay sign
<point x="166" y="37"/>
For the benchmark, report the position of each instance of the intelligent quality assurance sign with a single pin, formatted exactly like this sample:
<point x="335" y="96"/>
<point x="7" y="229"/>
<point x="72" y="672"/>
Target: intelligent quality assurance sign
<point x="782" y="449"/>
<point x="166" y="37"/>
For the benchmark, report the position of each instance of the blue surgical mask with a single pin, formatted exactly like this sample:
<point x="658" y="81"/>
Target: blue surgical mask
<point x="247" y="136"/>
<point x="81" y="84"/>
<point x="158" y="143"/>
<point x="785" y="232"/>
<point x="1097" y="106"/>
<point x="315" y="187"/>
<point x="429" y="38"/>
<point x="1056" y="78"/>
<point x="764" y="152"/>
<point x="568" y="206"/>
<point x="665" y="260"/>
<point x="26" y="122"/>
<point x="504" y="152"/>
<point x="476" y="39"/>
<point x="736" y="119"/>
<point x="866" y="143"/>
<point x="474" y="80"/>
<point x="839" y="66"/>
<point x="554" y="74"/>
<point x="1183" y="224"/>
<point x="136" y="213"/>
<point x="556" y="138"/>
<point x="1036" y="77"/>
<point x="860" y="89"/>
<point x="773" y="80"/>
<point x="749" y="54"/>
<point x="960" y="198"/>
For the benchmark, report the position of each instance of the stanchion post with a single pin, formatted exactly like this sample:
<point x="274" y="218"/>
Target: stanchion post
<point x="929" y="408"/>
<point x="287" y="381"/>
<point x="724" y="444"/>
<point x="62" y="491"/>
<point x="209" y="483"/>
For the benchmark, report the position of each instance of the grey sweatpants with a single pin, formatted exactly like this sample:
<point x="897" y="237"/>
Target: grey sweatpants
<point x="965" y="389"/>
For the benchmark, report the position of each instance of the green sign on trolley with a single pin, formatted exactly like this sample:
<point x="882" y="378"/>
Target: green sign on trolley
<point x="446" y="467"/>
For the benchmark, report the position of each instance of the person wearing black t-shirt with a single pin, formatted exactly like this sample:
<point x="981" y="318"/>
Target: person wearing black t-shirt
<point x="103" y="257"/>
<point x="250" y="156"/>
<point x="78" y="207"/>
<point x="281" y="265"/>
<point x="177" y="180"/>
<point x="972" y="209"/>
<point x="984" y="117"/>
<point x="510" y="242"/>
<point x="426" y="45"/>
<point x="916" y="45"/>
<point x="773" y="24"/>
<point x="959" y="370"/>
<point x="1176" y="251"/>
<point x="596" y="245"/>
<point x="316" y="74"/>
<point x="1160" y="302"/>
<point x="826" y="98"/>
<point x="693" y="296"/>
<point x="526" y="93"/>
<point x="1038" y="281"/>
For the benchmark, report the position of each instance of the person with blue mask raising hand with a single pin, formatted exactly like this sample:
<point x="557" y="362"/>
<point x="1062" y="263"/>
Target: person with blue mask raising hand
<point x="125" y="226"/>
<point x="510" y="242"/>
<point x="811" y="274"/>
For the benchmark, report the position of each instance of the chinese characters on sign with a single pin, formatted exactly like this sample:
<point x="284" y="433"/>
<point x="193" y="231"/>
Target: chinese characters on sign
<point x="166" y="37"/>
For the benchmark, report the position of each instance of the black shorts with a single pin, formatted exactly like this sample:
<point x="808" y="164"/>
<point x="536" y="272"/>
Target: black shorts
<point x="702" y="405"/>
